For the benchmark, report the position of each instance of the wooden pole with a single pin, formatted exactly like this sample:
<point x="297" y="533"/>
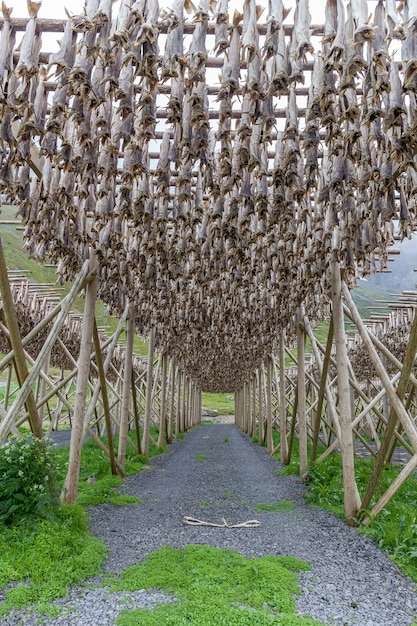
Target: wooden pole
<point x="269" y="441"/>
<point x="324" y="368"/>
<point x="395" y="401"/>
<point x="253" y="420"/>
<point x="16" y="345"/>
<point x="351" y="494"/>
<point x="14" y="410"/>
<point x="301" y="391"/>
<point x="323" y="383"/>
<point x="163" y="417"/>
<point x="126" y="391"/>
<point x="148" y="403"/>
<point x="261" y="428"/>
<point x="381" y="457"/>
<point x="282" y="401"/>
<point x="105" y="399"/>
<point x="178" y="411"/>
<point x="136" y="413"/>
<point x="172" y="403"/>
<point x="70" y="490"/>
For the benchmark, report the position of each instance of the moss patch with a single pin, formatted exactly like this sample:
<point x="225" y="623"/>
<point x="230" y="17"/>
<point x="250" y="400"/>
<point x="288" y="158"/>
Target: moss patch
<point x="215" y="587"/>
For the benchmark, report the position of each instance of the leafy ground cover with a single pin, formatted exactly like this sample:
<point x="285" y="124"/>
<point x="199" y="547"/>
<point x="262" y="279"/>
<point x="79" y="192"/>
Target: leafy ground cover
<point x="215" y="587"/>
<point x="45" y="546"/>
<point x="394" y="529"/>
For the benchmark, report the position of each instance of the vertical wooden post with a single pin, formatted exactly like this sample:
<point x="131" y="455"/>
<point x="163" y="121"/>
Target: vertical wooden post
<point x="104" y="397"/>
<point x="148" y="403"/>
<point x="163" y="417"/>
<point x="16" y="344"/>
<point x="178" y="412"/>
<point x="172" y="402"/>
<point x="322" y="389"/>
<point x="136" y="413"/>
<point x="301" y="391"/>
<point x="282" y="401"/>
<point x="237" y="409"/>
<point x="269" y="441"/>
<point x="254" y="388"/>
<point x="351" y="494"/>
<point x="70" y="490"/>
<point x="261" y="435"/>
<point x="184" y="401"/>
<point x="127" y="381"/>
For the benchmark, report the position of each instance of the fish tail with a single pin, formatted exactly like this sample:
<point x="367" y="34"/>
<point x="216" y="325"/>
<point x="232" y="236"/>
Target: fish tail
<point x="237" y="18"/>
<point x="6" y="11"/>
<point x="189" y="6"/>
<point x="33" y="8"/>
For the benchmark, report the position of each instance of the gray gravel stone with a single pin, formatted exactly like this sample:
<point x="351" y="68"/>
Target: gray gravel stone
<point x="351" y="582"/>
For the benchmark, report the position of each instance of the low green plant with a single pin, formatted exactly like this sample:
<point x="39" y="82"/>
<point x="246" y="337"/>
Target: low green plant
<point x="283" y="506"/>
<point x="201" y="457"/>
<point x="215" y="587"/>
<point x="395" y="528"/>
<point x="28" y="486"/>
<point x="46" y="558"/>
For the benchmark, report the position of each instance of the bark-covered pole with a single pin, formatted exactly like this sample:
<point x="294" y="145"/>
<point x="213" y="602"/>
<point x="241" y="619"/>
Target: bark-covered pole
<point x="104" y="397"/>
<point x="282" y="401"/>
<point x="261" y="436"/>
<point x="148" y="403"/>
<point x="70" y="490"/>
<point x="301" y="391"/>
<point x="269" y="441"/>
<point x="163" y="410"/>
<point x="127" y="382"/>
<point x="16" y="345"/>
<point x="171" y="402"/>
<point x="351" y="494"/>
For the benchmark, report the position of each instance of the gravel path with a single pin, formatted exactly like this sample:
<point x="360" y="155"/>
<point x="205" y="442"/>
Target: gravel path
<point x="351" y="582"/>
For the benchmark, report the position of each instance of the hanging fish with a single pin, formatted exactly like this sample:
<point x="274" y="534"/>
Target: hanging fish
<point x="30" y="46"/>
<point x="7" y="41"/>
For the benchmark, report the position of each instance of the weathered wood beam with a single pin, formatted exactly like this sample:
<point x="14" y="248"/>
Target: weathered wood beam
<point x="85" y="276"/>
<point x="70" y="490"/>
<point x="16" y="345"/>
<point x="351" y="494"/>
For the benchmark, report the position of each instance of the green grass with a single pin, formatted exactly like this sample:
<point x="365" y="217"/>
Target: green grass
<point x="214" y="587"/>
<point x="394" y="529"/>
<point x="283" y="506"/>
<point x="47" y="558"/>
<point x="220" y="402"/>
<point x="96" y="484"/>
<point x="201" y="457"/>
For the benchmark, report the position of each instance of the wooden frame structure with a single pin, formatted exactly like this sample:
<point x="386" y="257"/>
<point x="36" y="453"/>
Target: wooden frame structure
<point x="218" y="216"/>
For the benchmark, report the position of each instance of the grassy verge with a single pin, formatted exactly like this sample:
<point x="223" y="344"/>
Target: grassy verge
<point x="395" y="528"/>
<point x="215" y="587"/>
<point x="45" y="556"/>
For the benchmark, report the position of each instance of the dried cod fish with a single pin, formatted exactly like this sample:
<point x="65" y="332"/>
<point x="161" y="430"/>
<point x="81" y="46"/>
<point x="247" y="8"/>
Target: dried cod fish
<point x="27" y="65"/>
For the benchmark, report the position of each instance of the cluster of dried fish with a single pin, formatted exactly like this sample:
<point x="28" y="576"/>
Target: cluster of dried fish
<point x="393" y="331"/>
<point x="32" y="307"/>
<point x="235" y="223"/>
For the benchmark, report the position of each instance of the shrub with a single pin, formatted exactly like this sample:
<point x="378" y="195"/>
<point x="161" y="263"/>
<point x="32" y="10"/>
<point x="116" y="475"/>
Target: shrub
<point x="27" y="483"/>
